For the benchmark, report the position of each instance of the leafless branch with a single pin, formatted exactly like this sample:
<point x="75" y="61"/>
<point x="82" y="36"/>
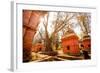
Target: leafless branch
<point x="64" y="23"/>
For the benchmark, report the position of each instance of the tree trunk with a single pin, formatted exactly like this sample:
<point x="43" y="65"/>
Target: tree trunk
<point x="48" y="47"/>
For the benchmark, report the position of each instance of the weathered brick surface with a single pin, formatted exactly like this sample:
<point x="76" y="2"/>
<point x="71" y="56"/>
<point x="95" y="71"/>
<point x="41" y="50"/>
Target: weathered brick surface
<point x="30" y="23"/>
<point x="27" y="40"/>
<point x="26" y="16"/>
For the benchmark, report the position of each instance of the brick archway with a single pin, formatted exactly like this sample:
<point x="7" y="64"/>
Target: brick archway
<point x="30" y="23"/>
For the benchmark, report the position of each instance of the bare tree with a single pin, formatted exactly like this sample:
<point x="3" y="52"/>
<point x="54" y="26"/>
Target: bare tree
<point x="60" y="23"/>
<point x="84" y="22"/>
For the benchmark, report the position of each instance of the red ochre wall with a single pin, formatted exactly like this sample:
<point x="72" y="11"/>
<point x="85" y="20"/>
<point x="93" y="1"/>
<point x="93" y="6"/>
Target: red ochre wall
<point x="72" y="42"/>
<point x="37" y="47"/>
<point x="30" y="23"/>
<point x="87" y="44"/>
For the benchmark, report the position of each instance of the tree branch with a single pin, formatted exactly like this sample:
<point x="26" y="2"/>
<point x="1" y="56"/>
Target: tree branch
<point x="65" y="22"/>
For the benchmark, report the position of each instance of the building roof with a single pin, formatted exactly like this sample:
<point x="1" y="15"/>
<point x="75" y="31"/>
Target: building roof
<point x="86" y="37"/>
<point x="69" y="33"/>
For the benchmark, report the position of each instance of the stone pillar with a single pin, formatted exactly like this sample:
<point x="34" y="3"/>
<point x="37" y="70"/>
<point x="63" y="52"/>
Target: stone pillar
<point x="30" y="23"/>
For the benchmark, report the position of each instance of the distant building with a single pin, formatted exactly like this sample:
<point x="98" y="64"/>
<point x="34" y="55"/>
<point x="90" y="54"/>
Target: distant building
<point x="37" y="47"/>
<point x="70" y="43"/>
<point x="86" y="43"/>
